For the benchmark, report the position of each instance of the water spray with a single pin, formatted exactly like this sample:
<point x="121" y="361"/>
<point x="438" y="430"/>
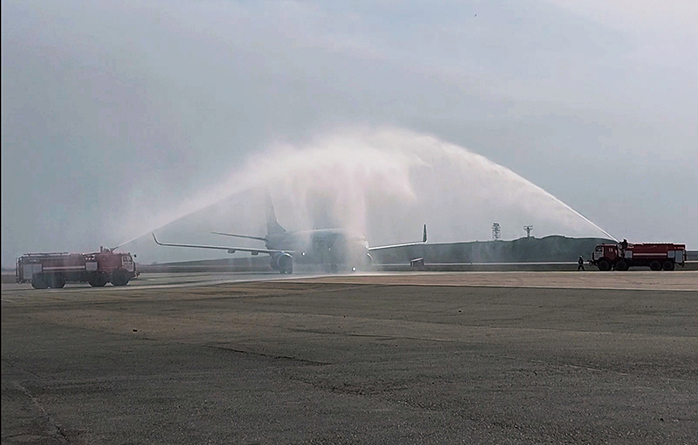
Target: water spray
<point x="382" y="183"/>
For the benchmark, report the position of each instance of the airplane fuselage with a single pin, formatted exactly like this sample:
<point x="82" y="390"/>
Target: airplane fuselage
<point x="329" y="247"/>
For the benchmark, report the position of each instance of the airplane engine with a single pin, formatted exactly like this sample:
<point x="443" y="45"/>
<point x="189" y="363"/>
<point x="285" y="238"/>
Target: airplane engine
<point x="283" y="262"/>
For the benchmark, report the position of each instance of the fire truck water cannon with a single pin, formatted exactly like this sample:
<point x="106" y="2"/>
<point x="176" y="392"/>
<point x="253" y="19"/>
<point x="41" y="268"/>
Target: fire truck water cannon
<point x="622" y="256"/>
<point x="44" y="270"/>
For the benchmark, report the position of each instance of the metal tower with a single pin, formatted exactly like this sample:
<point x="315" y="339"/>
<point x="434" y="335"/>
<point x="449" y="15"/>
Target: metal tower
<point x="528" y="231"/>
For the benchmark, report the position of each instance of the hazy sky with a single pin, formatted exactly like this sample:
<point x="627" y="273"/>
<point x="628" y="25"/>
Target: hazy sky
<point x="116" y="112"/>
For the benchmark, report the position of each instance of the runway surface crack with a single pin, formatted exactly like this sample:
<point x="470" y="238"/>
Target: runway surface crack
<point x="53" y="430"/>
<point x="271" y="356"/>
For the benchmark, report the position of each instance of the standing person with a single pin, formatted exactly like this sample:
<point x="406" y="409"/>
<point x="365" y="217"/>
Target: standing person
<point x="623" y="247"/>
<point x="580" y="263"/>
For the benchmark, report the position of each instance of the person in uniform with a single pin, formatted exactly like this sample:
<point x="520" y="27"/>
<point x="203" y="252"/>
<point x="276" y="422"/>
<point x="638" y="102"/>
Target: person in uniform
<point x="623" y="247"/>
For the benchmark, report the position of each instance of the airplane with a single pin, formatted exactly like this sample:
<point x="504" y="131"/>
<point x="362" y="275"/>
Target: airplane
<point x="328" y="247"/>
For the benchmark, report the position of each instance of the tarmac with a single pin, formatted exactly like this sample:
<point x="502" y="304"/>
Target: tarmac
<point x="468" y="357"/>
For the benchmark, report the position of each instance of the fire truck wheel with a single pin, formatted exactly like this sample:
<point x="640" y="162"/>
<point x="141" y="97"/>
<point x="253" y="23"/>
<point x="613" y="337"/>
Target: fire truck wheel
<point x="604" y="265"/>
<point x="39" y="282"/>
<point x="668" y="265"/>
<point x="621" y="265"/>
<point x="57" y="282"/>
<point x="655" y="265"/>
<point x="98" y="280"/>
<point x="119" y="279"/>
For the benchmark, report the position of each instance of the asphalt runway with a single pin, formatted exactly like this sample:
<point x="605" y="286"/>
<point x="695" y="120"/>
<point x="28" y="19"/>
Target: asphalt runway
<point x="511" y="357"/>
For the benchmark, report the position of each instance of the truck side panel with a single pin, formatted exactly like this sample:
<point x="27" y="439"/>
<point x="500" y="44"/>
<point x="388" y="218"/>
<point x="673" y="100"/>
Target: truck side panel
<point x="28" y="271"/>
<point x="55" y="269"/>
<point x="657" y="256"/>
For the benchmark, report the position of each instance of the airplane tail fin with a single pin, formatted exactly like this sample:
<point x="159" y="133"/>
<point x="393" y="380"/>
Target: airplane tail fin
<point x="273" y="225"/>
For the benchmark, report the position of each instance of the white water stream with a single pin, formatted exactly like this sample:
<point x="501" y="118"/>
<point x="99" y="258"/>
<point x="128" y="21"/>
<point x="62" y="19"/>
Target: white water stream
<point x="384" y="183"/>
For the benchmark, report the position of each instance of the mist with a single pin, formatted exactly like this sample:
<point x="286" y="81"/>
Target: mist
<point x="384" y="183"/>
<point x="122" y="117"/>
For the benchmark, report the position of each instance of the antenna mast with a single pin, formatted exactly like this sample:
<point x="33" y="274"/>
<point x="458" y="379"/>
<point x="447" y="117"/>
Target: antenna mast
<point x="496" y="230"/>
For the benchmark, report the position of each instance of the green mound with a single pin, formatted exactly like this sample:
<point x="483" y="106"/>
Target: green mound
<point x="553" y="248"/>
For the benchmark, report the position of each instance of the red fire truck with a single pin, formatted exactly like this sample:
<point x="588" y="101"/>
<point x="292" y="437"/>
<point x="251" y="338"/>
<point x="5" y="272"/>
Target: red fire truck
<point x="53" y="270"/>
<point x="656" y="256"/>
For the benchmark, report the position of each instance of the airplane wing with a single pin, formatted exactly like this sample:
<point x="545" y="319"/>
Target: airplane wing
<point x="416" y="243"/>
<point x="228" y="249"/>
<point x="259" y="238"/>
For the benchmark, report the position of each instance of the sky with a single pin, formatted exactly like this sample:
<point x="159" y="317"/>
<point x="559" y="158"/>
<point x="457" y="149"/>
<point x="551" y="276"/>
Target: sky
<point x="119" y="117"/>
